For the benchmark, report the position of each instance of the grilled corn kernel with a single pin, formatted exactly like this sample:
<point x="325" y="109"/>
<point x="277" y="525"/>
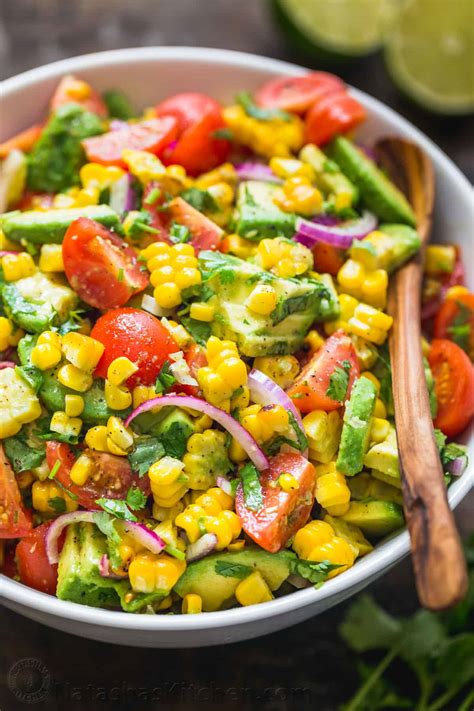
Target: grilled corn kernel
<point x="240" y="246"/>
<point x="380" y="410"/>
<point x="284" y="258"/>
<point x="63" y="424"/>
<point x="225" y="373"/>
<point x="253" y="590"/>
<point x="168" y="482"/>
<point x="192" y="604"/>
<point x="149" y="573"/>
<point x="323" y="430"/>
<point x="268" y="138"/>
<point x="143" y="165"/>
<point x="331" y="490"/>
<point x="48" y="498"/>
<point x="167" y="295"/>
<point x="51" y="258"/>
<point x="73" y="405"/>
<point x="439" y="258"/>
<point x="120" y="370"/>
<point x="120" y="435"/>
<point x="298" y="195"/>
<point x="99" y="176"/>
<point x="205" y="459"/>
<point x="223" y="173"/>
<point x="262" y="300"/>
<point x="236" y="452"/>
<point x="82" y="351"/>
<point x="291" y="167"/>
<point x="347" y="304"/>
<point x="288" y="482"/>
<point x="17" y="266"/>
<point x="142" y="393"/>
<point x="379" y="429"/>
<point x="72" y="377"/>
<point x="51" y="338"/>
<point x="281" y="369"/>
<point x="45" y="356"/>
<point x="317" y="541"/>
<point x="96" y="438"/>
<point x="117" y="397"/>
<point x="202" y="311"/>
<point x="366" y="352"/>
<point x="81" y="470"/>
<point x="369" y="323"/>
<point x="314" y="340"/>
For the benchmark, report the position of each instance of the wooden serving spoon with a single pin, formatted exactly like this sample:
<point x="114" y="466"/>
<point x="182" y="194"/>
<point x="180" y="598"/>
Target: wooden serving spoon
<point x="438" y="560"/>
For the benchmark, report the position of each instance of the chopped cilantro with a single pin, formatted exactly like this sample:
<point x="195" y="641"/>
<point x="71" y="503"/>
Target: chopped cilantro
<point x="147" y="451"/>
<point x="316" y="573"/>
<point x="135" y="498"/>
<point x="179" y="234"/>
<point x="117" y="508"/>
<point x="165" y="379"/>
<point x="201" y="200"/>
<point x="245" y="100"/>
<point x="120" y="274"/>
<point x="253" y="496"/>
<point x="232" y="570"/>
<point x="339" y="381"/>
<point x="152" y="196"/>
<point x="199" y="330"/>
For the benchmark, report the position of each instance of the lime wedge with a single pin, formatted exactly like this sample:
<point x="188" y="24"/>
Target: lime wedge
<point x="430" y="53"/>
<point x="335" y="29"/>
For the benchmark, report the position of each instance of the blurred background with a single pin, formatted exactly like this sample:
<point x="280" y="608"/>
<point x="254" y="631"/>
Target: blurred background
<point x="422" y="63"/>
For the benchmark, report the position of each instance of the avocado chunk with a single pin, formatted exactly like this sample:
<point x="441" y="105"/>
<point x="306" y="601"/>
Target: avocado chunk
<point x="356" y="427"/>
<point x="257" y="216"/>
<point x="50" y="226"/>
<point x="388" y="247"/>
<point x="38" y="302"/>
<point x="57" y="155"/>
<point x="363" y="486"/>
<point x="383" y="456"/>
<point x="378" y="193"/>
<point x="171" y="425"/>
<point x="300" y="302"/>
<point x="218" y="590"/>
<point x="328" y="176"/>
<point x="350" y="533"/>
<point x="375" y="518"/>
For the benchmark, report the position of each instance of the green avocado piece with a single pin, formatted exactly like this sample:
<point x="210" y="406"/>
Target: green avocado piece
<point x="57" y="155"/>
<point x="383" y="456"/>
<point x="171" y="425"/>
<point x="363" y="486"/>
<point x="217" y="590"/>
<point x="356" y="427"/>
<point x="381" y="476"/>
<point x="378" y="193"/>
<point x="328" y="177"/>
<point x="300" y="302"/>
<point x="257" y="216"/>
<point x="398" y="244"/>
<point x="350" y="533"/>
<point x="38" y="302"/>
<point x="50" y="226"/>
<point x="375" y="518"/>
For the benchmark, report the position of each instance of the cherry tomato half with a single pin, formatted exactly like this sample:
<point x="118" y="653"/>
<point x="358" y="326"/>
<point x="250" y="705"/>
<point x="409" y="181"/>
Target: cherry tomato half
<point x="112" y="480"/>
<point x="205" y="234"/>
<point x="137" y="335"/>
<point x="152" y="136"/>
<point x="297" y="93"/>
<point x="455" y="321"/>
<point x="308" y="392"/>
<point x="15" y="521"/>
<point x="34" y="568"/>
<point x="453" y="373"/>
<point x="101" y="268"/>
<point x="71" y="89"/>
<point x="333" y="114"/>
<point x="282" y="513"/>
<point x="327" y="259"/>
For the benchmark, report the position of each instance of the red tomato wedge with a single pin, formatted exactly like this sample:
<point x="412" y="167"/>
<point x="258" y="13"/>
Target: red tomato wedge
<point x="34" y="568"/>
<point x="327" y="259"/>
<point x="195" y="357"/>
<point x="198" y="117"/>
<point x="453" y="373"/>
<point x="113" y="477"/>
<point x="282" y="513"/>
<point x="309" y="389"/>
<point x="158" y="217"/>
<point x="23" y="141"/>
<point x="71" y="89"/>
<point x="101" y="268"/>
<point x="205" y="234"/>
<point x="152" y="136"/>
<point x="297" y="93"/>
<point x="137" y="335"/>
<point x="15" y="521"/>
<point x="333" y="114"/>
<point x="455" y="321"/>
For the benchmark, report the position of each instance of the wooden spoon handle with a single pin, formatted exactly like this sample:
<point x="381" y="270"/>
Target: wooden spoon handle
<point x="438" y="560"/>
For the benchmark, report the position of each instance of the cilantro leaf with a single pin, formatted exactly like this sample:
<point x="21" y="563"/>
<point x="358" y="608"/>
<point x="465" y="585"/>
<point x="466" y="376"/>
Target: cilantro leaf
<point x="174" y="440"/>
<point x="106" y="524"/>
<point x="339" y="382"/>
<point x="179" y="234"/>
<point x="314" y="572"/>
<point x="117" y="508"/>
<point x="201" y="200"/>
<point x="165" y="379"/>
<point x="21" y="456"/>
<point x="216" y="264"/>
<point x="245" y="100"/>
<point x="42" y="431"/>
<point x="253" y="496"/>
<point x="367" y="626"/>
<point x="199" y="330"/>
<point x="229" y="569"/>
<point x="146" y="452"/>
<point x="135" y="498"/>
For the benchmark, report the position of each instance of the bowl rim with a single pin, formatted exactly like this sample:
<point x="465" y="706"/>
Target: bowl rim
<point x="390" y="551"/>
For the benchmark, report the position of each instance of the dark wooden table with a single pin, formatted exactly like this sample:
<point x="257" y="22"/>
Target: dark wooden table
<point x="305" y="667"/>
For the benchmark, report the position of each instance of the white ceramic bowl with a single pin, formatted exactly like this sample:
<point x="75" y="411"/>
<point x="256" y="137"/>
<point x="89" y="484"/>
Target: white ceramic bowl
<point x="147" y="75"/>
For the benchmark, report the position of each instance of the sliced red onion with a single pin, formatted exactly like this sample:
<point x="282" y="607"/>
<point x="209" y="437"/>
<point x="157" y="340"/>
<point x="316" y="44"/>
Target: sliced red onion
<point x="144" y="536"/>
<point x="57" y="527"/>
<point x="105" y="571"/>
<point x="342" y="236"/>
<point x="4" y="252"/>
<point x="458" y="466"/>
<point x="252" y="170"/>
<point x="330" y="220"/>
<point x="265" y="391"/>
<point x="7" y="364"/>
<point x="224" y="484"/>
<point x="203" y="546"/>
<point x="226" y="421"/>
<point x="122" y="197"/>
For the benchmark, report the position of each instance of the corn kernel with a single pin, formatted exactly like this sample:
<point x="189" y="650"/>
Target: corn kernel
<point x="439" y="258"/>
<point x="82" y="351"/>
<point x="73" y="405"/>
<point x="281" y="369"/>
<point x="96" y="438"/>
<point x="142" y="393"/>
<point x="63" y="424"/>
<point x="288" y="482"/>
<point x="192" y="604"/>
<point x="51" y="338"/>
<point x="380" y="410"/>
<point x="51" y="258"/>
<point x="120" y="435"/>
<point x="379" y="429"/>
<point x="17" y="266"/>
<point x="117" y="397"/>
<point x="253" y="590"/>
<point x="167" y="295"/>
<point x="331" y="490"/>
<point x="262" y="300"/>
<point x="202" y="311"/>
<point x="317" y="541"/>
<point x="189" y="276"/>
<point x="120" y="370"/>
<point x="45" y="356"/>
<point x="72" y="377"/>
<point x="314" y="340"/>
<point x="81" y="470"/>
<point x="373" y="378"/>
<point x="454" y="292"/>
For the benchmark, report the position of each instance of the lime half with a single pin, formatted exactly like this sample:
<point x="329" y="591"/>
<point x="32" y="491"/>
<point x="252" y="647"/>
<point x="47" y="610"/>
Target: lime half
<point x="430" y="53"/>
<point x="335" y="29"/>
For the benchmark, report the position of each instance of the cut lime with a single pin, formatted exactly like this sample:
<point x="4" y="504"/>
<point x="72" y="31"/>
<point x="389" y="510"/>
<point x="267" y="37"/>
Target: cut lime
<point x="333" y="29"/>
<point x="430" y="53"/>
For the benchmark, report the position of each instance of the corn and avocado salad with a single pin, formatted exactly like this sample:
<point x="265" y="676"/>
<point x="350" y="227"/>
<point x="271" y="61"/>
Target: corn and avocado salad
<point x="195" y="387"/>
